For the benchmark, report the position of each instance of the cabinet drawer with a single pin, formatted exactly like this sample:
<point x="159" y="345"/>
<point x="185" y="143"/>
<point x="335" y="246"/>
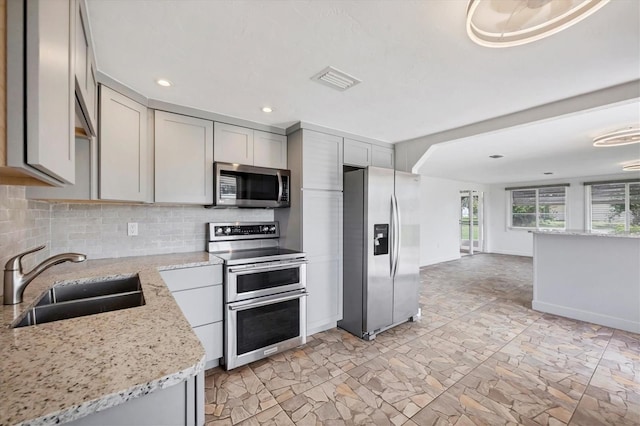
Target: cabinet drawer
<point x="201" y="305"/>
<point x="211" y="337"/>
<point x="186" y="278"/>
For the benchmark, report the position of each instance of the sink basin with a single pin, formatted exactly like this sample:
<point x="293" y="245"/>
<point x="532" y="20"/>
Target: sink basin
<point x="76" y="300"/>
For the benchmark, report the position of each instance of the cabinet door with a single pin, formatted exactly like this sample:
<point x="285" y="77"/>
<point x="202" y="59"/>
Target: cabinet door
<point x="232" y="144"/>
<point x="382" y="157"/>
<point x="322" y="161"/>
<point x="183" y="159"/>
<point x="50" y="100"/>
<point x="322" y="241"/>
<point x="269" y="150"/>
<point x="124" y="158"/>
<point x="357" y="153"/>
<point x="84" y="68"/>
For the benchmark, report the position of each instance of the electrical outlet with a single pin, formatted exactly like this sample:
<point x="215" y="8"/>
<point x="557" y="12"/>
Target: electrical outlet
<point x="132" y="229"/>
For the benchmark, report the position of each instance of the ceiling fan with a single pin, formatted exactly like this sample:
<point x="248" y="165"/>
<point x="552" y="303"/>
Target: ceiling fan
<point x="505" y="23"/>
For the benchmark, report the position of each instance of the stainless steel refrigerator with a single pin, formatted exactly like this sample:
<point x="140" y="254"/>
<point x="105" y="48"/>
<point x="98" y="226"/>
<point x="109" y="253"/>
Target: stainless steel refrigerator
<point x="381" y="250"/>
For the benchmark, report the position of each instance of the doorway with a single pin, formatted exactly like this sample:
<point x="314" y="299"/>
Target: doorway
<point x="471" y="222"/>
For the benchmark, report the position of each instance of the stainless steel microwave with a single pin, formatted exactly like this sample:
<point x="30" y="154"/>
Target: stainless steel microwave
<point x="237" y="185"/>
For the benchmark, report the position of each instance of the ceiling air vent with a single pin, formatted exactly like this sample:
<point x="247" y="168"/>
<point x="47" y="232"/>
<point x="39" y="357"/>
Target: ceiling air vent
<point x="335" y="78"/>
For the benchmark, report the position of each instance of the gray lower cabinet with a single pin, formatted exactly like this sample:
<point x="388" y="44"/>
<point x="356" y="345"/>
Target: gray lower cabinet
<point x="181" y="404"/>
<point x="125" y="154"/>
<point x="198" y="292"/>
<point x="183" y="159"/>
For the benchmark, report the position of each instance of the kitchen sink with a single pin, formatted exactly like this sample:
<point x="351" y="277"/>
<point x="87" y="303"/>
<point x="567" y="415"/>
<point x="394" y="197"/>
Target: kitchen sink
<point x="77" y="300"/>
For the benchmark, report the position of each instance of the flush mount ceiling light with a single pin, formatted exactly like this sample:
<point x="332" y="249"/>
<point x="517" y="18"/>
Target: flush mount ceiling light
<point x="547" y="173"/>
<point x="502" y="23"/>
<point x="164" y="83"/>
<point x="267" y="109"/>
<point x="619" y="137"/>
<point x="495" y="156"/>
<point x="633" y="166"/>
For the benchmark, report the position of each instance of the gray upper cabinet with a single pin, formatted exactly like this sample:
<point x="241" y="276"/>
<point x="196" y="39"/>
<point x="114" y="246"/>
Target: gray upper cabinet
<point x="233" y="144"/>
<point x="240" y="145"/>
<point x="183" y="159"/>
<point x="357" y="153"/>
<point x="48" y="81"/>
<point x="382" y="157"/>
<point x="322" y="159"/>
<point x="85" y="70"/>
<point x="269" y="150"/>
<point x="124" y="148"/>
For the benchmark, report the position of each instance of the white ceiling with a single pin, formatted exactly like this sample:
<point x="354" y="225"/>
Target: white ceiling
<point x="420" y="72"/>
<point x="563" y="146"/>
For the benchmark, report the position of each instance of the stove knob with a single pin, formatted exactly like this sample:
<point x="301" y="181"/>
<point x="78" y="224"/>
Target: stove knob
<point x="218" y="230"/>
<point x="272" y="229"/>
<point x="227" y="231"/>
<point x="265" y="229"/>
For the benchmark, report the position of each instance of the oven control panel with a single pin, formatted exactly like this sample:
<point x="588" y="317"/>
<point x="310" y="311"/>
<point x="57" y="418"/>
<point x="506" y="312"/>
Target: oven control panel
<point x="242" y="231"/>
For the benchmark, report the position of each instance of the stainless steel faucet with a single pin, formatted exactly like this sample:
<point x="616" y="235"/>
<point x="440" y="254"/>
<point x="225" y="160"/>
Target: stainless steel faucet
<point x="15" y="281"/>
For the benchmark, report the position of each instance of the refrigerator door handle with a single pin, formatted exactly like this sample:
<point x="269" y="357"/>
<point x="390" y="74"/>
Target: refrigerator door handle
<point x="395" y="214"/>
<point x="392" y="232"/>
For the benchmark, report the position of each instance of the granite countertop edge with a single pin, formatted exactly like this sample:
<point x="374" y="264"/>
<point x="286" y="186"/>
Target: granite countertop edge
<point x="581" y="233"/>
<point x="164" y="342"/>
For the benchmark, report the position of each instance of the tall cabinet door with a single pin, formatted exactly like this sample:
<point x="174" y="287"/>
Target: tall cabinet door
<point x="322" y="241"/>
<point x="50" y="100"/>
<point x="322" y="159"/>
<point x="124" y="148"/>
<point x="407" y="279"/>
<point x="183" y="159"/>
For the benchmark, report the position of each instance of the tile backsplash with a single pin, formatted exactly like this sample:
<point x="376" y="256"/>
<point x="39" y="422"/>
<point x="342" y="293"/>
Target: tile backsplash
<point x="100" y="230"/>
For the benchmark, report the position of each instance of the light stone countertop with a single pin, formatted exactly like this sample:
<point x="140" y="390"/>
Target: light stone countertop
<point x="63" y="370"/>
<point x="578" y="232"/>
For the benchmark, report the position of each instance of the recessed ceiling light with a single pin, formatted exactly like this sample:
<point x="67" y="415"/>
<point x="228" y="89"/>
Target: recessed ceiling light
<point x="619" y="137"/>
<point x="511" y="23"/>
<point x="547" y="173"/>
<point x="496" y="156"/>
<point x="164" y="83"/>
<point x="633" y="166"/>
<point x="267" y="109"/>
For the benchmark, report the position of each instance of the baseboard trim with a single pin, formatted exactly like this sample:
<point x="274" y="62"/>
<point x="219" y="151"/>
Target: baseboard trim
<point x="592" y="317"/>
<point x="440" y="260"/>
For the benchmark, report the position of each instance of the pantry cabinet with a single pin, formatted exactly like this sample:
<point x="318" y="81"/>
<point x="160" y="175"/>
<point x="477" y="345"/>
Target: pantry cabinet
<point x="313" y="223"/>
<point x="183" y="159"/>
<point x="125" y="154"/>
<point x="240" y="145"/>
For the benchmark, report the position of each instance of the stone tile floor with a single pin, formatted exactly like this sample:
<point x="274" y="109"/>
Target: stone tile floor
<point x="479" y="355"/>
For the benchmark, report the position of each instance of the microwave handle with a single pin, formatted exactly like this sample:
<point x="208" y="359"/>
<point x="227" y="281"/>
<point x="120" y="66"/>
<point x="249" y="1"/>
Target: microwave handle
<point x="280" y="189"/>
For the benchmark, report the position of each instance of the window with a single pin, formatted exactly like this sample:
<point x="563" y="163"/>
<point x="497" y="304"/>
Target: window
<point x="535" y="208"/>
<point x="614" y="206"/>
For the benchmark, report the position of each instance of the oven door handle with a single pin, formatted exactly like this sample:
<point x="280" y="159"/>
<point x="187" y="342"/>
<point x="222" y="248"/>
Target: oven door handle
<point x="251" y="268"/>
<point x="267" y="301"/>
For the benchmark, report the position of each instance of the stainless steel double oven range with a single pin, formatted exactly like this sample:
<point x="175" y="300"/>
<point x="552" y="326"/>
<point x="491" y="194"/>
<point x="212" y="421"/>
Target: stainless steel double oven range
<point x="265" y="291"/>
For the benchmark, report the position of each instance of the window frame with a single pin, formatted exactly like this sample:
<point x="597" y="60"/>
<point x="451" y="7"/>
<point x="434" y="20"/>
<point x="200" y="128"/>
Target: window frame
<point x="627" y="204"/>
<point x="537" y="189"/>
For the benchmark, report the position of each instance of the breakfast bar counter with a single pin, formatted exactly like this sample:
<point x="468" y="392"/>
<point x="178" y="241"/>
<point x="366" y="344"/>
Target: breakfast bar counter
<point x="64" y="370"/>
<point x="588" y="276"/>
